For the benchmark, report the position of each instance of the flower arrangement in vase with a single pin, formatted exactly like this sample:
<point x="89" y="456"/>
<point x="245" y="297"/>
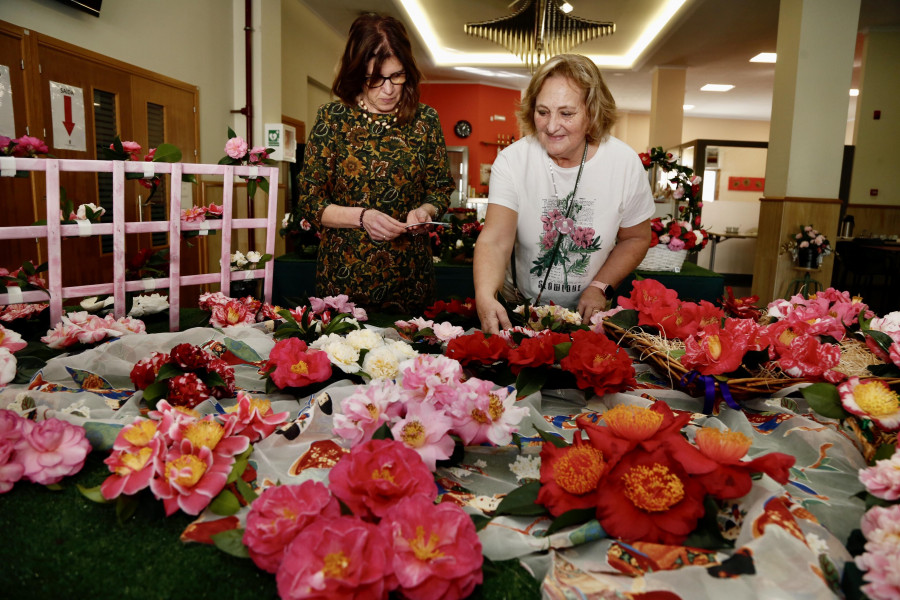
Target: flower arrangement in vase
<point x="677" y="235"/>
<point x="682" y="185"/>
<point x="808" y="247"/>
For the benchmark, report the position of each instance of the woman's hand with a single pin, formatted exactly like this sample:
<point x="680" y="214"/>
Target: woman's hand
<point x="592" y="301"/>
<point x="417" y="218"/>
<point x="381" y="227"/>
<point x="492" y="315"/>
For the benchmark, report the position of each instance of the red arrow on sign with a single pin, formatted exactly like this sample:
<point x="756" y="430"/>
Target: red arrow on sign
<point x="68" y="123"/>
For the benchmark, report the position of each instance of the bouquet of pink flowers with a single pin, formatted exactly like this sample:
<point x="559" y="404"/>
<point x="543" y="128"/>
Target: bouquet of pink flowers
<point x="677" y="235"/>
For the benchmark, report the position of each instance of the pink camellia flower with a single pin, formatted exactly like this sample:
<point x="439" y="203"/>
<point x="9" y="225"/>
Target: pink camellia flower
<point x="257" y="155"/>
<point x="8" y="364"/>
<point x="367" y="409"/>
<point x="484" y="414"/>
<point x="675" y="244"/>
<point x="232" y="313"/>
<point x="807" y="357"/>
<point x="377" y="473"/>
<point x="236" y="148"/>
<point x="425" y="429"/>
<point x="132" y="148"/>
<point x="29" y="146"/>
<point x="337" y="559"/>
<point x="296" y="365"/>
<point x="279" y="514"/>
<point x="881" y="560"/>
<point x="883" y="479"/>
<point x="437" y="553"/>
<point x="51" y="450"/>
<point x="254" y="417"/>
<point x="195" y="214"/>
<point x="11" y="340"/>
<point x="190" y="480"/>
<point x="171" y="420"/>
<point x="872" y="399"/>
<point x="215" y="210"/>
<point x="209" y="300"/>
<point x="132" y="469"/>
<point x="432" y="378"/>
<point x="12" y="426"/>
<point x="10" y="470"/>
<point x="21" y="311"/>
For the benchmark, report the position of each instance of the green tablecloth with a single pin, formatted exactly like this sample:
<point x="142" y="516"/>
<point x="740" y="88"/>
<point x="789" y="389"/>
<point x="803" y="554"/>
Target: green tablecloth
<point x="692" y="283"/>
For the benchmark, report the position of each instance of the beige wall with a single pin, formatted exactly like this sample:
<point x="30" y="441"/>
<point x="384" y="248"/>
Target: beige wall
<point x="634" y="130"/>
<point x="194" y="47"/>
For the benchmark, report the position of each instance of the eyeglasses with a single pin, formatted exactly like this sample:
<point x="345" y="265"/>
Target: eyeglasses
<point x="376" y="81"/>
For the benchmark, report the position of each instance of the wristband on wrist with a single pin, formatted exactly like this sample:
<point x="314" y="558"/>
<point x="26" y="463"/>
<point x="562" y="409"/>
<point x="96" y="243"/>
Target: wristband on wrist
<point x="362" y="212"/>
<point x="603" y="287"/>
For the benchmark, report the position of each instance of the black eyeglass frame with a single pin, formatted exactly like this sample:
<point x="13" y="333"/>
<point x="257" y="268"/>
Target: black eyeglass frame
<point x="381" y="79"/>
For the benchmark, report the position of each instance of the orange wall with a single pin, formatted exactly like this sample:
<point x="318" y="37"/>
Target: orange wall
<point x="476" y="104"/>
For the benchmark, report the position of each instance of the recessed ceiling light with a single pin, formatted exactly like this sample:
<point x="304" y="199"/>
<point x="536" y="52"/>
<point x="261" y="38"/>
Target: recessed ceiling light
<point x="764" y="57"/>
<point x="566" y="7"/>
<point x="854" y="92"/>
<point x="687" y="107"/>
<point x="716" y="87"/>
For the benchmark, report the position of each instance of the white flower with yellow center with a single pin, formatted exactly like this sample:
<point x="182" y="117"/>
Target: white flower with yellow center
<point x="381" y="363"/>
<point x="364" y="339"/>
<point x="872" y="399"/>
<point x="342" y="355"/>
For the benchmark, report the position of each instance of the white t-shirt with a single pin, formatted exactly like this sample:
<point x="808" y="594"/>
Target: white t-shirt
<point x="613" y="192"/>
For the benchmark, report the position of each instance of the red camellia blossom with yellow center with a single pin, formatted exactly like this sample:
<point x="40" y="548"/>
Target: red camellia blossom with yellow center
<point x="715" y="351"/>
<point x="732" y="479"/>
<point x="536" y="351"/>
<point x="296" y="366"/>
<point x="649" y="497"/>
<point x="598" y="364"/>
<point x="570" y="476"/>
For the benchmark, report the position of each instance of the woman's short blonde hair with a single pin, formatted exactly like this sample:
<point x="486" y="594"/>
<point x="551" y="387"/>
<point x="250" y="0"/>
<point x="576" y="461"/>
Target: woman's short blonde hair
<point x="582" y="72"/>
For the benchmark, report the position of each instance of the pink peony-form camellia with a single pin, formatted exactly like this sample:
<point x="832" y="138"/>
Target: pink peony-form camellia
<point x="279" y="514"/>
<point x="426" y="430"/>
<point x="881" y="560"/>
<point x="10" y="470"/>
<point x="437" y="553"/>
<point x="339" y="558"/>
<point x="236" y="147"/>
<point x="51" y="450"/>
<point x="376" y="474"/>
<point x="882" y="480"/>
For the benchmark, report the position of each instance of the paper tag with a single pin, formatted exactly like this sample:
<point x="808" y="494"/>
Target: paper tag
<point x="15" y="294"/>
<point x="7" y="166"/>
<point x="204" y="228"/>
<point x="84" y="227"/>
<point x="149" y="170"/>
<point x="254" y="172"/>
<point x="248" y="275"/>
<point x="149" y="283"/>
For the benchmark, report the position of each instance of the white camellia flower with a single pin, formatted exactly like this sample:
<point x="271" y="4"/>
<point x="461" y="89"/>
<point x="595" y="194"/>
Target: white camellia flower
<point x="342" y="355"/>
<point x="459" y="244"/>
<point x="254" y="256"/>
<point x="92" y="304"/>
<point x="81" y="213"/>
<point x="888" y="323"/>
<point x="381" y="363"/>
<point x="402" y="350"/>
<point x="148" y="305"/>
<point x="238" y="259"/>
<point x="364" y="338"/>
<point x="286" y="220"/>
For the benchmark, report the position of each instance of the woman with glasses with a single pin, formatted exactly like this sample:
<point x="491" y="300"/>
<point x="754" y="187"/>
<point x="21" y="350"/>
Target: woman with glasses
<point x="375" y="173"/>
<point x="569" y="202"/>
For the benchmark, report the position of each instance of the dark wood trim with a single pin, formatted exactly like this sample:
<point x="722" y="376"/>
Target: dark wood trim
<point x="800" y="199"/>
<point x="875" y="206"/>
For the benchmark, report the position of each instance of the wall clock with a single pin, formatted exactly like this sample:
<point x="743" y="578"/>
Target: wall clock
<point x="463" y="129"/>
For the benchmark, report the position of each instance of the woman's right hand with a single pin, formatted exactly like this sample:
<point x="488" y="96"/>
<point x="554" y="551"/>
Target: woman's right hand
<point x="380" y="226"/>
<point x="492" y="315"/>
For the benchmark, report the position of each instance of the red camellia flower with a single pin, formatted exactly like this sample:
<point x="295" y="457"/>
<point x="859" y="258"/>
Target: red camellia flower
<point x="455" y="306"/>
<point x="651" y="300"/>
<point x="295" y="366"/>
<point x="598" y="363"/>
<point x="334" y="559"/>
<point x="477" y="348"/>
<point x="807" y="357"/>
<point x="649" y="497"/>
<point x="714" y="351"/>
<point x="570" y="476"/>
<point x="144" y="372"/>
<point x="190" y="357"/>
<point x="377" y="473"/>
<point x="279" y="514"/>
<point x="732" y="479"/>
<point x="187" y="390"/>
<point x="437" y="553"/>
<point x="223" y="370"/>
<point x="535" y="351"/>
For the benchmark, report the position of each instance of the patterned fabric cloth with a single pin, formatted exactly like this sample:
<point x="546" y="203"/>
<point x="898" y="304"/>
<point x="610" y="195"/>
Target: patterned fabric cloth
<point x="352" y="162"/>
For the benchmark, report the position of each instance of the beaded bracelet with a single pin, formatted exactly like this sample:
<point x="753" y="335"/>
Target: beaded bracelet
<point x="361" y="226"/>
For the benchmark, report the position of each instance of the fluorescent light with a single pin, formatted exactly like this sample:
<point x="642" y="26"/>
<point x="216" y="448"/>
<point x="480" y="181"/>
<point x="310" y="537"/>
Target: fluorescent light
<point x="716" y="87"/>
<point x="687" y="107"/>
<point x="566" y="7"/>
<point x="764" y="57"/>
<point x="854" y="92"/>
<point x="486" y="73"/>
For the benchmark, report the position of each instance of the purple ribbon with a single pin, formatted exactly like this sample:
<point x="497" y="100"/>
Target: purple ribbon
<point x="709" y="390"/>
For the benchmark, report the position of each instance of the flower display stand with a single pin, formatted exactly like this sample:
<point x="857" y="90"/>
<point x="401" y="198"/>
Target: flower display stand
<point x="54" y="231"/>
<point x="804" y="285"/>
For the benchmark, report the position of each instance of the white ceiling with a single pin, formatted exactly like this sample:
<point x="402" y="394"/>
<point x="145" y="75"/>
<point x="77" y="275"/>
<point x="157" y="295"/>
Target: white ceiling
<point x="712" y="39"/>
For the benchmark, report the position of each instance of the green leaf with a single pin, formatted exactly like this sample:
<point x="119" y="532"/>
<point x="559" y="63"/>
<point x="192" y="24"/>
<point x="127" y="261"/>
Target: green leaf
<point x="883" y="340"/>
<point x="242" y="350"/>
<point x="263" y="184"/>
<point x="240" y="465"/>
<point x="824" y="399"/>
<point x="189" y="179"/>
<point x="251" y="188"/>
<point x="93" y="494"/>
<point x="522" y="501"/>
<point x="885" y="370"/>
<point x="231" y="133"/>
<point x="225" y="504"/>
<point x="530" y="380"/>
<point x="383" y="433"/>
<point x="884" y="452"/>
<point x="54" y="487"/>
<point x="167" y="153"/>
<point x="126" y="506"/>
<point x="245" y="490"/>
<point x="626" y="319"/>
<point x="506" y="579"/>
<point x="576" y="516"/>
<point x="169" y="370"/>
<point x="480" y="521"/>
<point x="155" y="392"/>
<point x="560" y="351"/>
<point x="230" y="542"/>
<point x="213" y="380"/>
<point x="548" y="437"/>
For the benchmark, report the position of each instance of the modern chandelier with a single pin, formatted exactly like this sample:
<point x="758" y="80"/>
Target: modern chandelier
<point x="537" y="30"/>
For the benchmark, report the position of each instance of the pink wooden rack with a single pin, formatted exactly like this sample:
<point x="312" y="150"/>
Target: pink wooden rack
<point x="54" y="231"/>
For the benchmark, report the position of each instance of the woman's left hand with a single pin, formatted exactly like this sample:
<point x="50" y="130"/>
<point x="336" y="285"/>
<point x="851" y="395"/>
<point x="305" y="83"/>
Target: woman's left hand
<point x="417" y="219"/>
<point x="592" y="301"/>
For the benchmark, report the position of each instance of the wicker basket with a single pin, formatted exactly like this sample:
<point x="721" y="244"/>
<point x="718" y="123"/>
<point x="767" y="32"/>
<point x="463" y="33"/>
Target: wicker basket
<point x="660" y="258"/>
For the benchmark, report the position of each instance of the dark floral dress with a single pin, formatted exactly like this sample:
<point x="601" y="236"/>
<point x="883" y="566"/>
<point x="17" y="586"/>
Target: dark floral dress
<point x="351" y="162"/>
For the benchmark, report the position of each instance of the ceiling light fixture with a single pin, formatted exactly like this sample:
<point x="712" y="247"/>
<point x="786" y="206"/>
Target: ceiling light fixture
<point x="537" y="30"/>
<point x="486" y="73"/>
<point x="687" y="107"/>
<point x="854" y="92"/>
<point x="764" y="57"/>
<point x="716" y="87"/>
<point x="566" y="7"/>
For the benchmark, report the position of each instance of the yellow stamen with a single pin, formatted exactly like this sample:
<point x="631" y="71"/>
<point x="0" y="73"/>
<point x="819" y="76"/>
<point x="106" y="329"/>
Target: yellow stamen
<point x="141" y="433"/>
<point x="186" y="470"/>
<point x="204" y="433"/>
<point x="478" y="416"/>
<point x="425" y="550"/>
<point x="335" y="565"/>
<point x="384" y="474"/>
<point x="876" y="399"/>
<point x="714" y="345"/>
<point x="496" y="408"/>
<point x="653" y="488"/>
<point x="373" y="410"/>
<point x="413" y="434"/>
<point x="133" y="462"/>
<point x="722" y="446"/>
<point x="633" y="422"/>
<point x="300" y="368"/>
<point x="578" y="471"/>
